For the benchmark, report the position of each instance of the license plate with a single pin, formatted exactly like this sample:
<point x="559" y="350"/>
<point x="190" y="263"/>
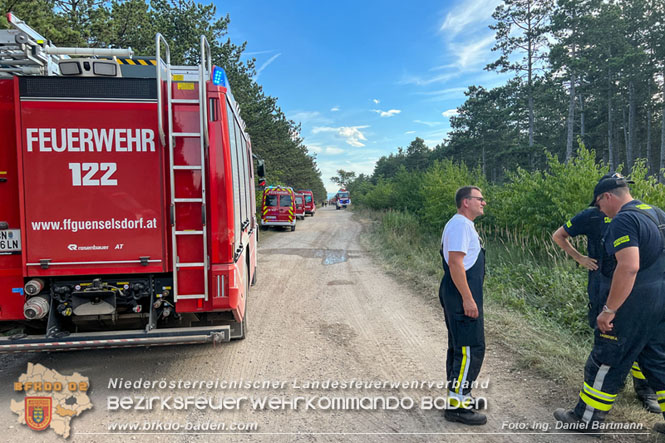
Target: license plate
<point x="10" y="240"/>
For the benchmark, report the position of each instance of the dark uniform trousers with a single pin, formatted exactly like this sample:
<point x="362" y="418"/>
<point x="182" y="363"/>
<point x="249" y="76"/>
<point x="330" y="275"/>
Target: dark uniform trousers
<point x="638" y="336"/>
<point x="466" y="335"/>
<point x="602" y="287"/>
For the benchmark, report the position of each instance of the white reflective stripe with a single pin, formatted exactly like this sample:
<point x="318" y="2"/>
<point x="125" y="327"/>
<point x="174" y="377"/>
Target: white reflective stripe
<point x="459" y="397"/>
<point x="597" y="384"/>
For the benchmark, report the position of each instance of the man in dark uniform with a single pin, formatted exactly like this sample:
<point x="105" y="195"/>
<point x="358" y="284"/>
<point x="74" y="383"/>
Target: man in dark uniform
<point x="631" y="325"/>
<point x="461" y="295"/>
<point x="593" y="223"/>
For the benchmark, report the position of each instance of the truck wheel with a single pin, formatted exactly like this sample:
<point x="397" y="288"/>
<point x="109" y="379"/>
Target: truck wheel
<point x="293" y="228"/>
<point x="243" y="325"/>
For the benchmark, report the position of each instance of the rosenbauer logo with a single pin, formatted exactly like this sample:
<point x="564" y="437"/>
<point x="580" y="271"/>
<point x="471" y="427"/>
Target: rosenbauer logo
<point x="75" y="247"/>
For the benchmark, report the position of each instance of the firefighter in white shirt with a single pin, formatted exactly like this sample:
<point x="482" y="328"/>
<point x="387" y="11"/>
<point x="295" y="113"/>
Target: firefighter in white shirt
<point x="461" y="295"/>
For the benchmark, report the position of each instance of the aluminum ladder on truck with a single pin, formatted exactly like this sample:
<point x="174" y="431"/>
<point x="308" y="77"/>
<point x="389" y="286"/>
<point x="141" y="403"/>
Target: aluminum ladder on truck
<point x="191" y="74"/>
<point x="23" y="51"/>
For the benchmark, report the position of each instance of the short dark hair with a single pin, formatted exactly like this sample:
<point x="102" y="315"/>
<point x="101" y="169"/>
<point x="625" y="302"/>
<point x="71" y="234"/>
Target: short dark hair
<point x="462" y="193"/>
<point x="621" y="191"/>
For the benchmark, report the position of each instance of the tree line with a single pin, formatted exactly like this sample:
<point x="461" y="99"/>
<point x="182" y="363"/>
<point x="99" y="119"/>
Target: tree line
<point x="134" y="23"/>
<point x="584" y="71"/>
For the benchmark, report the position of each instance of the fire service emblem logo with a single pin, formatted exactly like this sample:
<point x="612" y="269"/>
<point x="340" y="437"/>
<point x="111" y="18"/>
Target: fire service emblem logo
<point x="38" y="412"/>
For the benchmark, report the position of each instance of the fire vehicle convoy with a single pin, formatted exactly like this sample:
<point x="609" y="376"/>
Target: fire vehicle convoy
<point x="128" y="213"/>
<point x="342" y="199"/>
<point x="278" y="207"/>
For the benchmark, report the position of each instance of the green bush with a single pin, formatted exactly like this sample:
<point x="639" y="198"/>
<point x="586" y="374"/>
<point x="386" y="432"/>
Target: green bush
<point x="646" y="188"/>
<point x="378" y="196"/>
<point x="440" y="183"/>
<point x="539" y="202"/>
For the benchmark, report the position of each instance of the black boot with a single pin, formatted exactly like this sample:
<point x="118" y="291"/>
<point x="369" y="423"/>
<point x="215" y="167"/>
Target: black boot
<point x="571" y="422"/>
<point x="646" y="395"/>
<point x="465" y="416"/>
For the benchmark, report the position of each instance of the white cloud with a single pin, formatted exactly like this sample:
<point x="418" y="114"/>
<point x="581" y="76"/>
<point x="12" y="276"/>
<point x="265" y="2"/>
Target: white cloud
<point x="305" y="115"/>
<point x="253" y="53"/>
<point x="311" y="117"/>
<point x="376" y="101"/>
<point x="352" y="135"/>
<point x="430" y="124"/>
<point x="435" y="137"/>
<point x="390" y="113"/>
<point x="265" y="65"/>
<point x="474" y="52"/>
<point x="467" y="13"/>
<point x="424" y="81"/>
<point x="410" y="132"/>
<point x="447" y="93"/>
<point x="361" y="165"/>
<point x="334" y="109"/>
<point x="449" y="113"/>
<point x="330" y="150"/>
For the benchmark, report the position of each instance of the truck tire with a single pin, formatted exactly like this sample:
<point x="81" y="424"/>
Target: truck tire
<point x="243" y="324"/>
<point x="293" y="228"/>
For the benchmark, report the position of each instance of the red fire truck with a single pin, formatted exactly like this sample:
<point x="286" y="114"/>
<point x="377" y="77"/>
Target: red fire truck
<point x="310" y="206"/>
<point x="300" y="206"/>
<point x="127" y="214"/>
<point x="278" y="207"/>
<point x="342" y="199"/>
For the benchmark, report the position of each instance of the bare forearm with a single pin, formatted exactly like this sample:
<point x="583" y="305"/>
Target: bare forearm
<point x="458" y="275"/>
<point x="562" y="241"/>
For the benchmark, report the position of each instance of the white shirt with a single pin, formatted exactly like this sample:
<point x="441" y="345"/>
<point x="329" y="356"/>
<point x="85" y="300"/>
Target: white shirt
<point x="460" y="235"/>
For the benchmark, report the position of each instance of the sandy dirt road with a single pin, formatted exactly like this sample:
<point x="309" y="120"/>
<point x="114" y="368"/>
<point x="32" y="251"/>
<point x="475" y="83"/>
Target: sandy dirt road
<point x="321" y="311"/>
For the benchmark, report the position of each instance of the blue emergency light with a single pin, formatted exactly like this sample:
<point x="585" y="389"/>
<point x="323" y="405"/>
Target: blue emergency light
<point x="219" y="76"/>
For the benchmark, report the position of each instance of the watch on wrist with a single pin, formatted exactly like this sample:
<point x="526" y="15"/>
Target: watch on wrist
<point x="608" y="310"/>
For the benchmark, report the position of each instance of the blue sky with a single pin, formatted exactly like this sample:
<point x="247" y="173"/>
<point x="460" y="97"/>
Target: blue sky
<point x="364" y="77"/>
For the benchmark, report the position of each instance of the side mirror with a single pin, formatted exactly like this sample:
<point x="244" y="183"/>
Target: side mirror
<point x="261" y="170"/>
